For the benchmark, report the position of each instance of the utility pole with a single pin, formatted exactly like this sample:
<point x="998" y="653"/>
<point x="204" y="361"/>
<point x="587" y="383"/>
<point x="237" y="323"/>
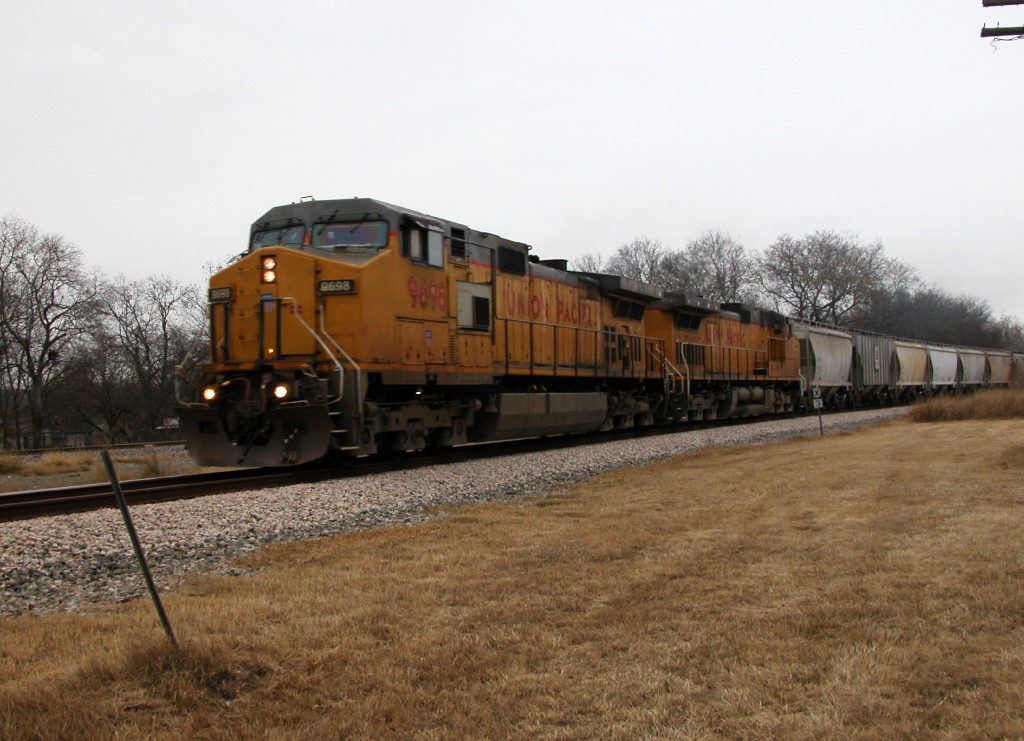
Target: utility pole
<point x="1012" y="31"/>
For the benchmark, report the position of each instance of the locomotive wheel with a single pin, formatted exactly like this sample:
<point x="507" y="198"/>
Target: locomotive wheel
<point x="339" y="459"/>
<point x="440" y="441"/>
<point x="392" y="447"/>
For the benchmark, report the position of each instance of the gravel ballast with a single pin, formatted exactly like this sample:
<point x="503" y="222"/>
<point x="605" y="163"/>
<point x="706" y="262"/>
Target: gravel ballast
<point x="81" y="561"/>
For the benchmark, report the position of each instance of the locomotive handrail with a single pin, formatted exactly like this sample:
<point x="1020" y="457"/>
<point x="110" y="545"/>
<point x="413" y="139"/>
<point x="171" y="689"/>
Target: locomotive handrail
<point x="671" y="366"/>
<point x="179" y="376"/>
<point x="355" y="366"/>
<point x="686" y="365"/>
<point x="729" y="358"/>
<point x="725" y="347"/>
<point x="605" y="365"/>
<point x="576" y="335"/>
<point x="319" y="341"/>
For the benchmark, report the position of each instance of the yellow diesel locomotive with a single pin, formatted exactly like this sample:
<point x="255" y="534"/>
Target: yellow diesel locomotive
<point x="728" y="360"/>
<point x="353" y="327"/>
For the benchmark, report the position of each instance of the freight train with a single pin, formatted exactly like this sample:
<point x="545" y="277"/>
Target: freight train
<point x="354" y="327"/>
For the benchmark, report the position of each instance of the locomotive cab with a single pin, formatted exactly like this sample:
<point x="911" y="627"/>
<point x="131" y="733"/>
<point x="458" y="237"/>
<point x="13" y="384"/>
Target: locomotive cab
<point x="278" y="376"/>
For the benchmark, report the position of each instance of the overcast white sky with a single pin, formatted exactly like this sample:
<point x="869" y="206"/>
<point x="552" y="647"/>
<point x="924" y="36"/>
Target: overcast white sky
<point x="152" y="134"/>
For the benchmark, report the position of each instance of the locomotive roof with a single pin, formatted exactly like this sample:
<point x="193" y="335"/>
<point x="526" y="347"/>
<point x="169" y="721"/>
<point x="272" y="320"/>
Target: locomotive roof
<point x="686" y="302"/>
<point x="616" y="285"/>
<point x="751" y="313"/>
<point x="312" y="211"/>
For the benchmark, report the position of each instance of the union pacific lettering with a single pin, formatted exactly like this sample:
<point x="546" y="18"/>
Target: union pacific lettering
<point x="725" y="332"/>
<point x="732" y="333"/>
<point x="575" y="313"/>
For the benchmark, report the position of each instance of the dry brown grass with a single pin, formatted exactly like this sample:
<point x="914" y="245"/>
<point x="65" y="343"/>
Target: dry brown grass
<point x="68" y="469"/>
<point x="56" y="464"/>
<point x="150" y="467"/>
<point x="1012" y="456"/>
<point x="866" y="585"/>
<point x="991" y="404"/>
<point x="9" y="464"/>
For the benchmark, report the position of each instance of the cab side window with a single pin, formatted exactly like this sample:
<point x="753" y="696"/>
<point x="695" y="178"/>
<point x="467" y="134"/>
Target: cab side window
<point x="435" y="248"/>
<point x="423" y="245"/>
<point x="414" y="243"/>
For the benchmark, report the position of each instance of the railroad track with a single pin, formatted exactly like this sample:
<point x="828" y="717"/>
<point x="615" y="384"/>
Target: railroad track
<point x="86" y="448"/>
<point x="22" y="505"/>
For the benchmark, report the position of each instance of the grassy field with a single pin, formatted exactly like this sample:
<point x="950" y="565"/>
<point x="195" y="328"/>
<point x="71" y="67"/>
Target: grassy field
<point x="69" y="468"/>
<point x="863" y="585"/>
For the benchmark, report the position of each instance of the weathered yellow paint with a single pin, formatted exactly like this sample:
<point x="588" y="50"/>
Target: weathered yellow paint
<point x="729" y="348"/>
<point x="403" y="316"/>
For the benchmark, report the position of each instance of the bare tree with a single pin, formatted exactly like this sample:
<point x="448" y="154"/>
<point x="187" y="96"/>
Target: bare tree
<point x="639" y="260"/>
<point x="933" y="315"/>
<point x="889" y="299"/>
<point x="1012" y="331"/>
<point x="155" y="322"/>
<point x="212" y="267"/>
<point x="591" y="262"/>
<point x="714" y="265"/>
<point x="824" y="276"/>
<point x="46" y="302"/>
<point x="98" y="393"/>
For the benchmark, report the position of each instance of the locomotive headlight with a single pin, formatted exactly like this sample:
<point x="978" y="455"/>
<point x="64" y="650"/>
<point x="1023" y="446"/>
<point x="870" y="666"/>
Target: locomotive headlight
<point x="269" y="269"/>
<point x="209" y="393"/>
<point x="281" y="391"/>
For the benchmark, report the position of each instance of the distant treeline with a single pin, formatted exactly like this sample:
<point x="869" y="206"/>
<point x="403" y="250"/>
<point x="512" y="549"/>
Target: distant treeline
<point x="81" y="353"/>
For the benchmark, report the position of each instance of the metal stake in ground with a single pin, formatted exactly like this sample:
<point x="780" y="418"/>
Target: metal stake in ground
<point x="818" y="405"/>
<point x="139" y="555"/>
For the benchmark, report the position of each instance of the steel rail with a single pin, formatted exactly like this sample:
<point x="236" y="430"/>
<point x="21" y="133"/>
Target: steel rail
<point x="82" y="448"/>
<point x="19" y="505"/>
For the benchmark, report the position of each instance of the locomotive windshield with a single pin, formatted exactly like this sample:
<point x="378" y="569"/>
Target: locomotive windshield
<point x="340" y="235"/>
<point x="288" y="237"/>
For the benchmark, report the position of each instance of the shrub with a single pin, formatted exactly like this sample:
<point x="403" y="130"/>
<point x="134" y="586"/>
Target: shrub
<point x="9" y="464"/>
<point x="59" y="463"/>
<point x="990" y="404"/>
